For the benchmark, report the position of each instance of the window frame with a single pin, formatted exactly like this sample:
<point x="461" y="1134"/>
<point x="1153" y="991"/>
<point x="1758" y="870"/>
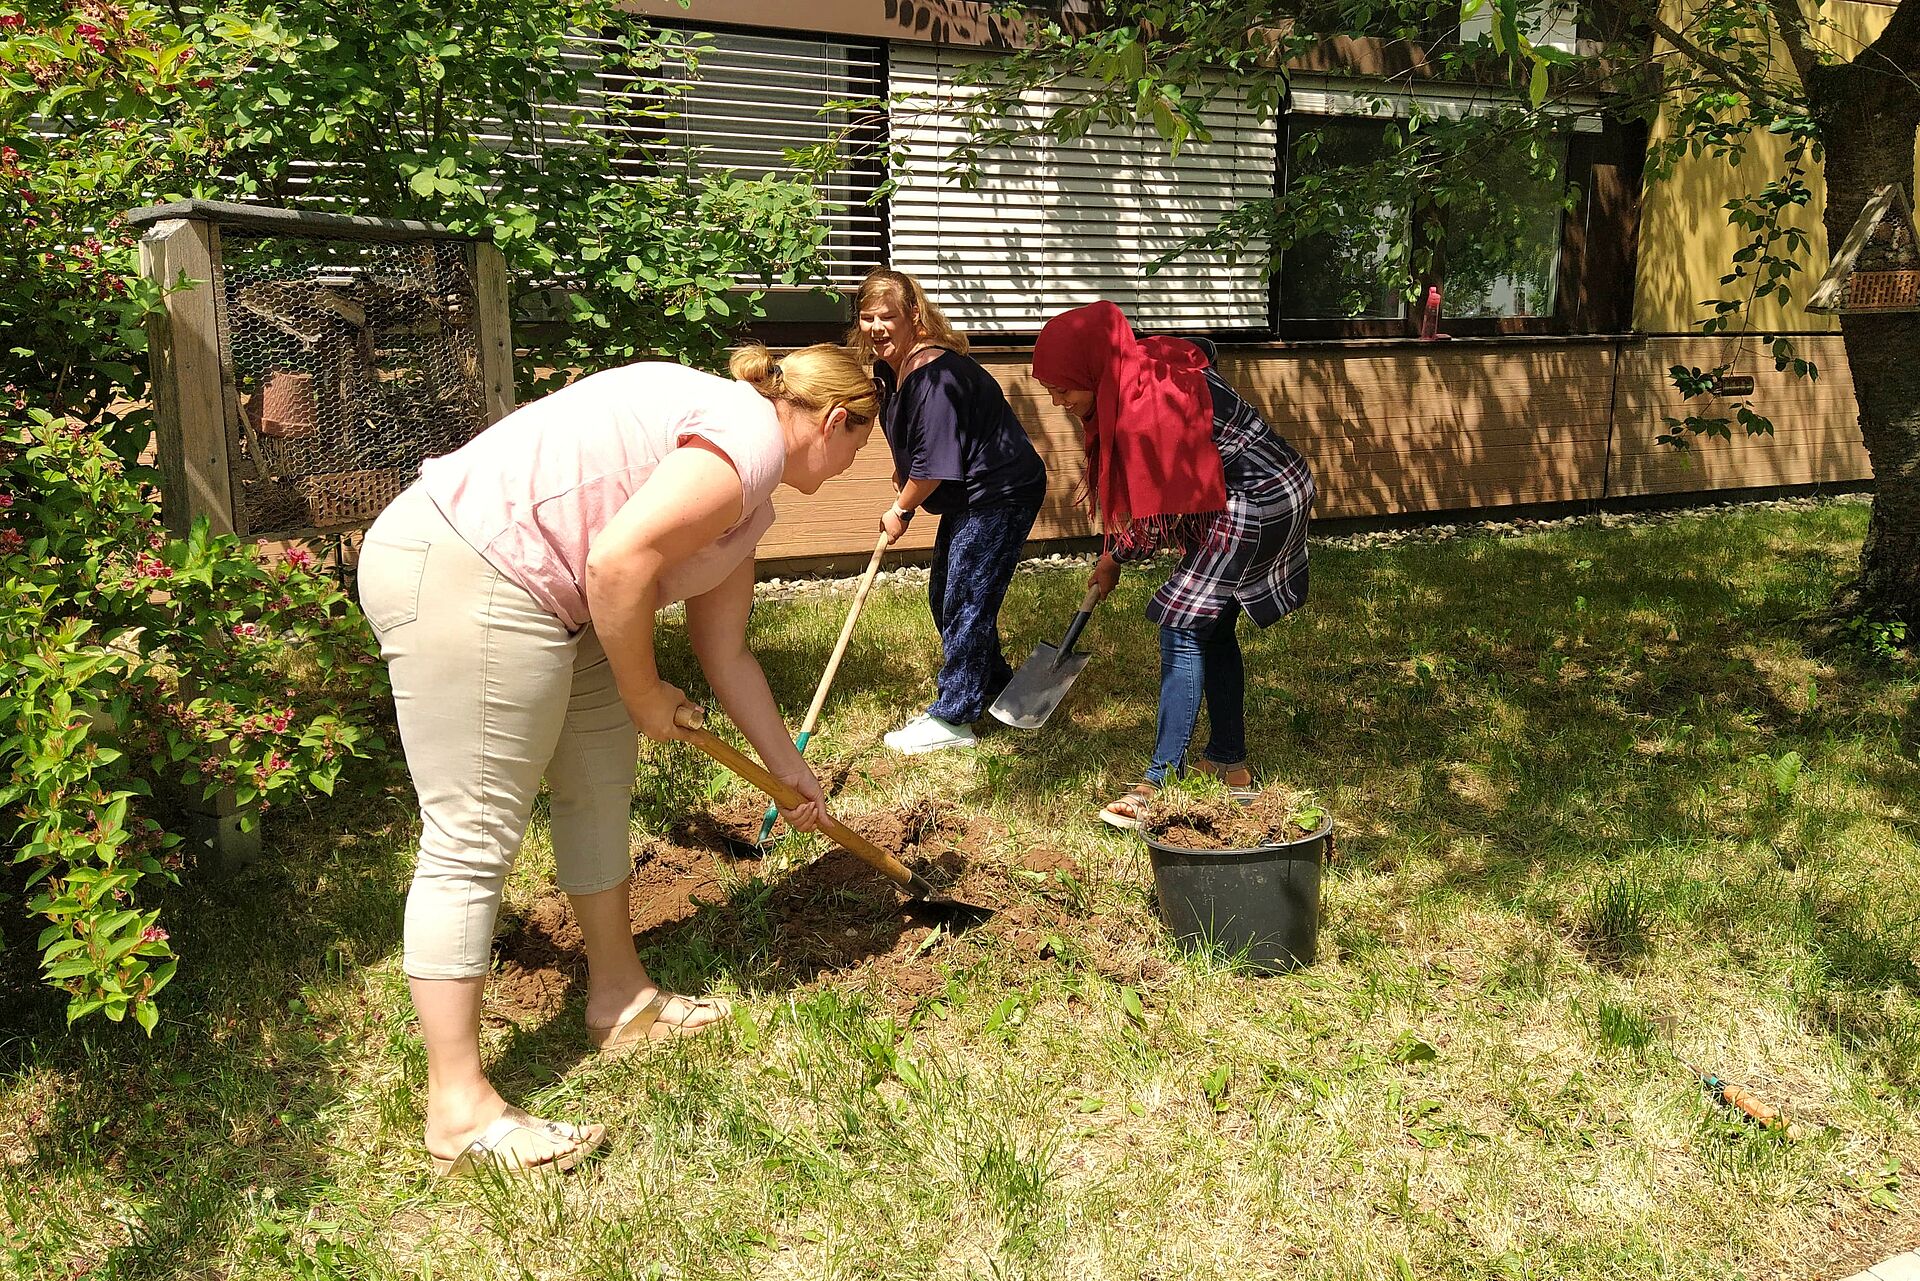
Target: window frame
<point x="1595" y="244"/>
<point x="1429" y="232"/>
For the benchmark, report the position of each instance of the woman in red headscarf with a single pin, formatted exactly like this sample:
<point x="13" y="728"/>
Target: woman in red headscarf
<point x="1176" y="459"/>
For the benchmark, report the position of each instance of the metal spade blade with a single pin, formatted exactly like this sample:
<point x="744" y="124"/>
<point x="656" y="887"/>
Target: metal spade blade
<point x="1043" y="680"/>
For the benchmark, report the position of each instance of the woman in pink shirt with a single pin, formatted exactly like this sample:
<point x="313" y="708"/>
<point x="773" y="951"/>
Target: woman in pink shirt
<point x="514" y="589"/>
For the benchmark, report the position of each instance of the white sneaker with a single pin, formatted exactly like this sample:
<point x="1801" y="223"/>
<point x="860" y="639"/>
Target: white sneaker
<point x="926" y="733"/>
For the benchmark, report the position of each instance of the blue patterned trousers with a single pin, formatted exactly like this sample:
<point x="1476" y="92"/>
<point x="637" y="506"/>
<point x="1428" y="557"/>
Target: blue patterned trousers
<point x="974" y="555"/>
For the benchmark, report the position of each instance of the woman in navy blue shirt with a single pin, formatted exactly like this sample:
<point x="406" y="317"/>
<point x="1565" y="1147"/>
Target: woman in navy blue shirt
<point x="960" y="453"/>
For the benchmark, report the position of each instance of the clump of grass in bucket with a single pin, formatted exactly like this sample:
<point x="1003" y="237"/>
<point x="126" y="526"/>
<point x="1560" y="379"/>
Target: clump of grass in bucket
<point x="1200" y="813"/>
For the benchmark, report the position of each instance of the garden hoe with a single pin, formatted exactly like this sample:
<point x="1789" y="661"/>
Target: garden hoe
<point x="826" y="677"/>
<point x="1042" y="681"/>
<point x="951" y="912"/>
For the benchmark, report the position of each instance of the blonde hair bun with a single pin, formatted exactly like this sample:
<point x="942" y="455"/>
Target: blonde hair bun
<point x="753" y="363"/>
<point x="817" y="378"/>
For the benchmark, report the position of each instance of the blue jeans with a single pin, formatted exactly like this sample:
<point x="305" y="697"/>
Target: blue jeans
<point x="974" y="556"/>
<point x="1196" y="662"/>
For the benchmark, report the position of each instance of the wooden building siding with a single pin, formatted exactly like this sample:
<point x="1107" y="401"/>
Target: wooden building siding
<point x="1398" y="430"/>
<point x="1440" y="427"/>
<point x="1816" y="423"/>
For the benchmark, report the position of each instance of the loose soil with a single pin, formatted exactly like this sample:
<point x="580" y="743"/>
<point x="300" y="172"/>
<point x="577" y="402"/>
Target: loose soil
<point x="1216" y="822"/>
<point x="831" y="922"/>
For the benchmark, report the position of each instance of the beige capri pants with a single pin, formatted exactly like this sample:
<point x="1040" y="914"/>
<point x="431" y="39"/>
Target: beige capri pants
<point x="492" y="692"/>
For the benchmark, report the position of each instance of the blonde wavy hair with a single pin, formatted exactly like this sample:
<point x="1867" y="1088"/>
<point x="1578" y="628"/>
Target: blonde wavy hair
<point x="905" y="293"/>
<point x="817" y="378"/>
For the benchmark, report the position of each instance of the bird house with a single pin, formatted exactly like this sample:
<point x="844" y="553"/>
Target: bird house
<point x="1877" y="268"/>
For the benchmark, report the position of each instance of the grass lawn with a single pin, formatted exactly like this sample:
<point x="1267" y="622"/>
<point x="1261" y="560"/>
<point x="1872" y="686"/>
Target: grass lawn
<point x="1602" y="808"/>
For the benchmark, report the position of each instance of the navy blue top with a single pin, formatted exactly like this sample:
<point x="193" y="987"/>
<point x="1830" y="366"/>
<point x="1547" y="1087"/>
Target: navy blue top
<point x="951" y="422"/>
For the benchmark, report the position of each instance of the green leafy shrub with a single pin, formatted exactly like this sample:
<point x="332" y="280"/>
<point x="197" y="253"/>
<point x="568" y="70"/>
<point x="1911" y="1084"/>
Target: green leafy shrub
<point x="476" y="114"/>
<point x="101" y="108"/>
<point x="140" y="668"/>
<point x="374" y="108"/>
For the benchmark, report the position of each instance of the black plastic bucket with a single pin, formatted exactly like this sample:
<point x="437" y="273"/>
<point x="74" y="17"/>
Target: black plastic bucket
<point x="1261" y="904"/>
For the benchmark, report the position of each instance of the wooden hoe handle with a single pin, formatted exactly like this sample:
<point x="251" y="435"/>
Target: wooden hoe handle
<point x="846" y="634"/>
<point x="693" y="721"/>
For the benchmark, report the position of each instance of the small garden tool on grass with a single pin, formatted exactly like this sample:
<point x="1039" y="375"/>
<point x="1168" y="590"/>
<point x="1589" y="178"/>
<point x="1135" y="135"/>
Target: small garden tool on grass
<point x="951" y="912"/>
<point x="1730" y="1095"/>
<point x="826" y="677"/>
<point x="1043" y="680"/>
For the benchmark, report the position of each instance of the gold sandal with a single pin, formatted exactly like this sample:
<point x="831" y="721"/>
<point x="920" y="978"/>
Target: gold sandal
<point x="638" y="1030"/>
<point x="489" y="1151"/>
<point x="1129" y="811"/>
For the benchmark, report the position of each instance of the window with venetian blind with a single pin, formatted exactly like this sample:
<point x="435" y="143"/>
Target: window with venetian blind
<point x="1054" y="224"/>
<point x="740" y="102"/>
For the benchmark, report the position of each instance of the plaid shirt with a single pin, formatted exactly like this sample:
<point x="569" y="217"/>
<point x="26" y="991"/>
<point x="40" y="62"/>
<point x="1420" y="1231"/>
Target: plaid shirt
<point x="1255" y="551"/>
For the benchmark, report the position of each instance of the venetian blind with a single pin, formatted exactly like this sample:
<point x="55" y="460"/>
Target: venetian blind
<point x="741" y="103"/>
<point x="1055" y="224"/>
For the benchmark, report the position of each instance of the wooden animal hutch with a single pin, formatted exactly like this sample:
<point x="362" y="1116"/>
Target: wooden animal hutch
<point x="312" y="361"/>
<point x="304" y="366"/>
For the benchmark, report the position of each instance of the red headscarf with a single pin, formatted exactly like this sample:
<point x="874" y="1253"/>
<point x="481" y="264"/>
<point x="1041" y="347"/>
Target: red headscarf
<point x="1151" y="461"/>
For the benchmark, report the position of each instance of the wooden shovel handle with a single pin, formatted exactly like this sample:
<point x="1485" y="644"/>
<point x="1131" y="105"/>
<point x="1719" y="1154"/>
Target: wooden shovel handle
<point x="693" y="721"/>
<point x="846" y="634"/>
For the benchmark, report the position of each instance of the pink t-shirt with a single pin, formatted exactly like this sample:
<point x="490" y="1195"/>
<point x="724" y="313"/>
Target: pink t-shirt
<point x="532" y="491"/>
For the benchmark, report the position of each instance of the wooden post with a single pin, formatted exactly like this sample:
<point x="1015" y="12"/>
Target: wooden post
<point x="214" y="826"/>
<point x="493" y="329"/>
<point x="189" y="402"/>
<point x="190" y="418"/>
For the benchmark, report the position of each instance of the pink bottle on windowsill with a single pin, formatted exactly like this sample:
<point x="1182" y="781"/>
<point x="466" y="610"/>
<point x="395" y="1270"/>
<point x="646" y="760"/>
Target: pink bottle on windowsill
<point x="1430" y="317"/>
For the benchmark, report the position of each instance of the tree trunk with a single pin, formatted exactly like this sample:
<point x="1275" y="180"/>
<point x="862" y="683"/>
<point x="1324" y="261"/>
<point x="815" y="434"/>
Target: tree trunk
<point x="1867" y="124"/>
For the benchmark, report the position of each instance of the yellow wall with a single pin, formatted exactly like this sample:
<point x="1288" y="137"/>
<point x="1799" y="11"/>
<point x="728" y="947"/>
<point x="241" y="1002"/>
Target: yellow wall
<point x="1685" y="242"/>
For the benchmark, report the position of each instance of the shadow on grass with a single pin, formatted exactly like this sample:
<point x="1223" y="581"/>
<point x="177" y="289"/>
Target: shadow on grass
<point x="220" y="1122"/>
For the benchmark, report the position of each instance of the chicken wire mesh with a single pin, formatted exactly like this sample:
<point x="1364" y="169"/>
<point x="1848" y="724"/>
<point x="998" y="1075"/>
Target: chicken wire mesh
<point x="350" y="361"/>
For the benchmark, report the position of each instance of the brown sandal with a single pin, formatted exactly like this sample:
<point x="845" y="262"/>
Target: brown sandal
<point x="1129" y="811"/>
<point x="639" y="1030"/>
<point x="1241" y="789"/>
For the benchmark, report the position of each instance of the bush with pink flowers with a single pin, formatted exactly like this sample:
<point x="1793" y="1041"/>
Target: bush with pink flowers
<point x="142" y="668"/>
<point x="101" y="107"/>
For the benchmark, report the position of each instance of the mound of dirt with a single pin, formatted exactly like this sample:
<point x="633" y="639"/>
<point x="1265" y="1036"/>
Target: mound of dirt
<point x="834" y="921"/>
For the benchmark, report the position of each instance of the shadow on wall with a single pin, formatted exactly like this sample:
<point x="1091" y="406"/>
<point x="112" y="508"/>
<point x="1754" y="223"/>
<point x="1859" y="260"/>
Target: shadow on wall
<point x="953" y="22"/>
<point x="1686" y="244"/>
<point x="1432" y="428"/>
